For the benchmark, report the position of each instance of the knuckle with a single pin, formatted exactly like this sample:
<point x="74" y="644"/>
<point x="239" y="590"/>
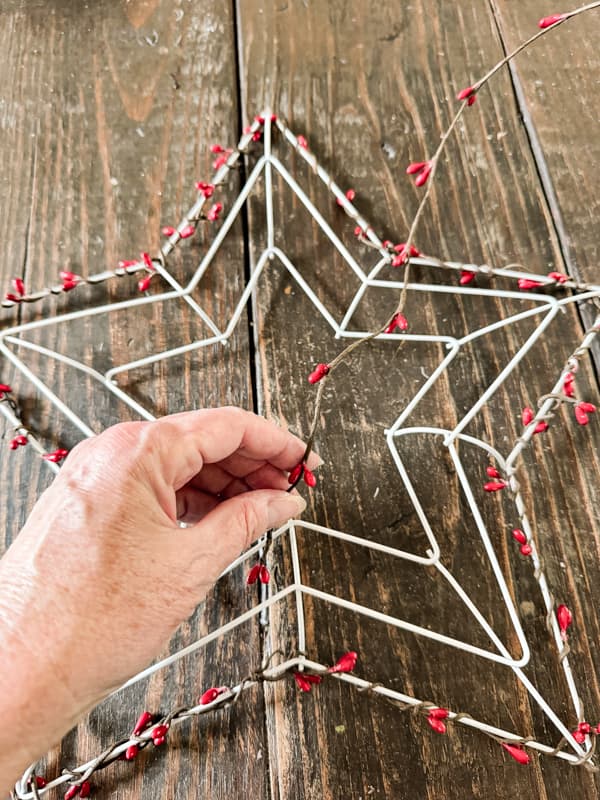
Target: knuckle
<point x="114" y="444"/>
<point x="119" y="437"/>
<point x="235" y="412"/>
<point x="249" y="520"/>
<point x="82" y="448"/>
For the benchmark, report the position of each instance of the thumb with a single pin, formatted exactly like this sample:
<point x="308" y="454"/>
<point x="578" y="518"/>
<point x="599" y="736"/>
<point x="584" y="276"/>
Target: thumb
<point x="234" y="524"/>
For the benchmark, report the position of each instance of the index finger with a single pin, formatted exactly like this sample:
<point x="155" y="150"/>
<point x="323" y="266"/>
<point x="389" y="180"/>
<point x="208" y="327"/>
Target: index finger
<point x="208" y="436"/>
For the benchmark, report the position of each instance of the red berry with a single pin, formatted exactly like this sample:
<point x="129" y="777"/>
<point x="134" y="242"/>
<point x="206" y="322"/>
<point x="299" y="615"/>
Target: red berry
<point x="397" y="321"/>
<point x="525" y="549"/>
<point x="144" y="283"/>
<point x="56" y="455"/>
<point x="305" y="682"/>
<point x="296" y="473"/>
<point x="210" y="695"/>
<point x="423" y="176"/>
<point x="345" y="663"/>
<point x="494" y="486"/>
<point x="415" y="167"/>
<point x="318" y="373"/>
<point x="436" y="724"/>
<point x="527" y="415"/>
<point x="564" y="618"/>
<point x="553" y="19"/>
<point x="401" y="248"/>
<point x="144" y="720"/>
<point x="264" y="575"/>
<point x="589" y="408"/>
<point x="582" y="410"/>
<point x="439" y="713"/>
<point x="147" y="261"/>
<point x="309" y="478"/>
<point x="516" y="752"/>
<point x="568" y="387"/>
<point x="18" y="286"/>
<point x="168" y="230"/>
<point x="160" y="732"/>
<point x="519" y="536"/>
<point x="492" y="472"/>
<point x="559" y="277"/>
<point x="188" y="231"/>
<point x="350" y="195"/>
<point x="214" y="212"/>
<point x="584" y="727"/>
<point x="467" y="94"/>
<point x="220" y="162"/>
<point x="253" y="575"/>
<point x="131" y="752"/>
<point x="528" y="283"/>
<point x="541" y="427"/>
<point x="207" y="189"/>
<point x="466" y="277"/>
<point x="302" y="142"/>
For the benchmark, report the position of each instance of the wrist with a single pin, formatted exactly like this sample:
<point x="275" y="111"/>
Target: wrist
<point x="38" y="704"/>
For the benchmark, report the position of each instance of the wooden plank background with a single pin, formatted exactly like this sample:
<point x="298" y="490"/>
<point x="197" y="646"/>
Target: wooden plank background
<point x="106" y="116"/>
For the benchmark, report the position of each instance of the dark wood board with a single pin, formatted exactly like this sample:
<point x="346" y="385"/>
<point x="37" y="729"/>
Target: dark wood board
<point x="109" y="109"/>
<point x="558" y="79"/>
<point x="372" y="85"/>
<point x="108" y="114"/>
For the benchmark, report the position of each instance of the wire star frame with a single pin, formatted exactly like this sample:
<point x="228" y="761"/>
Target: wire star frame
<point x="542" y="308"/>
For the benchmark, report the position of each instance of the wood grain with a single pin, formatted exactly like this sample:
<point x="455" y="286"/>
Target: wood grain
<point x="559" y="76"/>
<point x="108" y="112"/>
<point x="106" y="118"/>
<point x="567" y="155"/>
<point x="371" y="86"/>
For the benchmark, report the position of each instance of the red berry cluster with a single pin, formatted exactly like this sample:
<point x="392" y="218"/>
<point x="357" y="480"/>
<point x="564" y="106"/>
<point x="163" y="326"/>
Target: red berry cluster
<point x="306" y="680"/>
<point x="222" y="154"/>
<point x="19" y="291"/>
<point x="302" y="471"/>
<point x="259" y="572"/>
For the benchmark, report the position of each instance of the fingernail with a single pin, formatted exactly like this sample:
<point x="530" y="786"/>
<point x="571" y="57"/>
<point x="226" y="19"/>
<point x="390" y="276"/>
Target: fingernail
<point x="315" y="460"/>
<point x="285" y="507"/>
<point x="300" y="502"/>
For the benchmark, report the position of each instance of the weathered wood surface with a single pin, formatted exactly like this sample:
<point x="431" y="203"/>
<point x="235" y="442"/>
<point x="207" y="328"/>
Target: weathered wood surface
<point x="99" y="148"/>
<point x="108" y="111"/>
<point x="353" y="82"/>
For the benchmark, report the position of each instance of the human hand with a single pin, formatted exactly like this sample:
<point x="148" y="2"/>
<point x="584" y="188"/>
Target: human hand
<point x="101" y="575"/>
